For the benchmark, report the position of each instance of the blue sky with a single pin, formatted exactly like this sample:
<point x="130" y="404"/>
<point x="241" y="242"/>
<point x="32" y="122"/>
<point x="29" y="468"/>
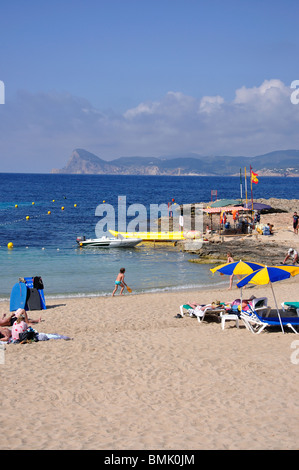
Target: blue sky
<point x="147" y="77"/>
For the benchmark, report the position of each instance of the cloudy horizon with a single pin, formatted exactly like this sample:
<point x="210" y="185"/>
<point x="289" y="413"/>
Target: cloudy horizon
<point x="46" y="127"/>
<point x="146" y="78"/>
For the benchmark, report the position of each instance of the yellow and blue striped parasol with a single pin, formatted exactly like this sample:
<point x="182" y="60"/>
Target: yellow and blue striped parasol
<point x="237" y="267"/>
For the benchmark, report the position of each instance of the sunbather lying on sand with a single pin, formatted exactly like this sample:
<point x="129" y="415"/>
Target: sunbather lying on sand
<point x="215" y="304"/>
<point x="5" y="334"/>
<point x="10" y="319"/>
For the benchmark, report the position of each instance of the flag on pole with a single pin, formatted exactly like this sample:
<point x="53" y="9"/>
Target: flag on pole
<point x="254" y="177"/>
<point x="251" y="188"/>
<point x="245" y="186"/>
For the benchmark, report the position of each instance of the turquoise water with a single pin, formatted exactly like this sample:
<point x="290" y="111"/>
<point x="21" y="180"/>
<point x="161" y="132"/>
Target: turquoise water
<point x="45" y="244"/>
<point x="92" y="271"/>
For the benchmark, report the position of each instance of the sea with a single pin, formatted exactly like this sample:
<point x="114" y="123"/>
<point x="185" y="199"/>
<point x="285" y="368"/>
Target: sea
<point x="43" y="214"/>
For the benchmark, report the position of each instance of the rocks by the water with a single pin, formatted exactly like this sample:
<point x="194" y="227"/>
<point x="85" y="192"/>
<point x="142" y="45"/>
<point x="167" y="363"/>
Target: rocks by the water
<point x="246" y="248"/>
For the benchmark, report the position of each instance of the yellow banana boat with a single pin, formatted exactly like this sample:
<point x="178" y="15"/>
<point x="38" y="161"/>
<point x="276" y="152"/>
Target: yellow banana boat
<point x="151" y="236"/>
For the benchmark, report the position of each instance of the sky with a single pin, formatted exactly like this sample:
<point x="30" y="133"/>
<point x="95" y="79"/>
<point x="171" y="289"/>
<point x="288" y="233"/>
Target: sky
<point x="146" y="78"/>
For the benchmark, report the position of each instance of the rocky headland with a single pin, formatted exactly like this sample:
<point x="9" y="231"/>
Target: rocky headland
<point x="284" y="163"/>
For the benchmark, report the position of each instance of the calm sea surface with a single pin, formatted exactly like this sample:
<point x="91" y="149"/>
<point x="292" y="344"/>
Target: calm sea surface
<point x="45" y="244"/>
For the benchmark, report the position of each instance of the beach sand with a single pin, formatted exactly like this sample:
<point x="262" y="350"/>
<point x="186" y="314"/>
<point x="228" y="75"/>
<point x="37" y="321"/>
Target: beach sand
<point x="136" y="377"/>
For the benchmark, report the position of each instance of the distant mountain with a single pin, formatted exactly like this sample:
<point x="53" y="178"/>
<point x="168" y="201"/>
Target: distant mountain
<point x="278" y="163"/>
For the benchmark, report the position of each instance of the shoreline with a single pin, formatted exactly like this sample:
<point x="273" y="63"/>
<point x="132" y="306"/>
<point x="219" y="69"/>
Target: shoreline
<point x="166" y="290"/>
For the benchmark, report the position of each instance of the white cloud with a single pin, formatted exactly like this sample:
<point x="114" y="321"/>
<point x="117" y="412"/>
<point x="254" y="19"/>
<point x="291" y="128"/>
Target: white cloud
<point x="39" y="131"/>
<point x="209" y="104"/>
<point x="269" y="89"/>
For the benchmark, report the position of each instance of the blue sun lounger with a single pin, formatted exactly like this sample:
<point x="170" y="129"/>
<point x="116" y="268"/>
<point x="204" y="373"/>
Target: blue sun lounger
<point x="257" y="324"/>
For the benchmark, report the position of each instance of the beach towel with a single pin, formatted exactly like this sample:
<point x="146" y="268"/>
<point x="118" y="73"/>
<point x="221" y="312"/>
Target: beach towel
<point x="47" y="336"/>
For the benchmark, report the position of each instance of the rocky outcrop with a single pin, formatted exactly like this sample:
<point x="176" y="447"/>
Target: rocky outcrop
<point x="247" y="248"/>
<point x="83" y="162"/>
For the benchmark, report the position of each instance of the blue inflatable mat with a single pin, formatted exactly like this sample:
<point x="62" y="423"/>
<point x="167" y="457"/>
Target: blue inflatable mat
<point x="18" y="296"/>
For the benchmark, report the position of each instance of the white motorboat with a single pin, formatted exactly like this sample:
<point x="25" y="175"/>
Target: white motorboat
<point x="106" y="242"/>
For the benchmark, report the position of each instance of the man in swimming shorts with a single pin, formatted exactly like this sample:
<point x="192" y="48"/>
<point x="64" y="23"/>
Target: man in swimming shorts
<point x="120" y="281"/>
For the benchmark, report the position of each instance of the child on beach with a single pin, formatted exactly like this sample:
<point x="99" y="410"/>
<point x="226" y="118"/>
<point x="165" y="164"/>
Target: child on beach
<point x="120" y="281"/>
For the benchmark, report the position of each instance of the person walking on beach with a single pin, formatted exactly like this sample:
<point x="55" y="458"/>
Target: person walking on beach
<point x="295" y="223"/>
<point x="120" y="281"/>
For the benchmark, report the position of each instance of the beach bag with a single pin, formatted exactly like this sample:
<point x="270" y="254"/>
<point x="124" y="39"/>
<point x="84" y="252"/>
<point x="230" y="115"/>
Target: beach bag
<point x="38" y="282"/>
<point x="29" y="335"/>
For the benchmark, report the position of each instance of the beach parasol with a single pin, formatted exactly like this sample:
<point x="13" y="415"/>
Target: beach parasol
<point x="225" y="202"/>
<point x="268" y="275"/>
<point x="238" y="268"/>
<point x="257" y="206"/>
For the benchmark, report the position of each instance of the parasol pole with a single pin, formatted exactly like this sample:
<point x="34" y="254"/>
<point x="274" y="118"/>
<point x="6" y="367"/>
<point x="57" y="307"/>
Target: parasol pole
<point x="251" y="193"/>
<point x="241" y="185"/>
<point x="276" y="307"/>
<point x="241" y="292"/>
<point x="245" y="186"/>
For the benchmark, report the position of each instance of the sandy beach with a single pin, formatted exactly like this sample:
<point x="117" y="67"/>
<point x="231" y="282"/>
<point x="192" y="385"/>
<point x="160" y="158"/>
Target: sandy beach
<point x="136" y="377"/>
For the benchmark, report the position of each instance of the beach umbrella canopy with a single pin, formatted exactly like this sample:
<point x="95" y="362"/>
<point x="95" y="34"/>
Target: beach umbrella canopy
<point x="257" y="206"/>
<point x="218" y="210"/>
<point x="225" y="202"/>
<point x="268" y="275"/>
<point x="237" y="267"/>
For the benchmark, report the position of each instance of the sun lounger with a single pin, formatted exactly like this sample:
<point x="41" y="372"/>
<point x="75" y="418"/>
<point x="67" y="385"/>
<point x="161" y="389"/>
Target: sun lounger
<point x="293" y="306"/>
<point x="233" y="314"/>
<point x="187" y="307"/>
<point x="260" y="305"/>
<point x="256" y="324"/>
<point x="201" y="311"/>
